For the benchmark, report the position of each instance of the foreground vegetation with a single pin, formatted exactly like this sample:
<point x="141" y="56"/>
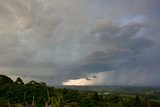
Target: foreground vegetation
<point x="33" y="94"/>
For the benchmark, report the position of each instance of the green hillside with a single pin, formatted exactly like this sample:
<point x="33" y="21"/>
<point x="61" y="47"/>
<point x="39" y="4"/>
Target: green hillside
<point x="34" y="94"/>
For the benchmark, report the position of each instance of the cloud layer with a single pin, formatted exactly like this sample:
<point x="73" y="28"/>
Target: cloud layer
<point x="70" y="41"/>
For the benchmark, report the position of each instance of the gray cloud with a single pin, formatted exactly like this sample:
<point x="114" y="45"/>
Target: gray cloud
<point x="115" y="47"/>
<point x="55" y="41"/>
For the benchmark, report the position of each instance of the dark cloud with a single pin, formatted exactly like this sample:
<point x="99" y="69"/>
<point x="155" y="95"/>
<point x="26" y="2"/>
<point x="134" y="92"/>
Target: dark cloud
<point x="120" y="47"/>
<point x="55" y="41"/>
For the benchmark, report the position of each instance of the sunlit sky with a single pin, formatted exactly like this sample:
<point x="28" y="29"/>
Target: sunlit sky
<point x="81" y="42"/>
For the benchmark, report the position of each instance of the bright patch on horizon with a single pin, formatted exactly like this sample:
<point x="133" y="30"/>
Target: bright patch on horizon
<point x="78" y="82"/>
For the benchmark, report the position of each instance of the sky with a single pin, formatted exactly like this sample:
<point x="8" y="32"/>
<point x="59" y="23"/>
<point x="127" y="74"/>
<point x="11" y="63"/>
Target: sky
<point x="81" y="42"/>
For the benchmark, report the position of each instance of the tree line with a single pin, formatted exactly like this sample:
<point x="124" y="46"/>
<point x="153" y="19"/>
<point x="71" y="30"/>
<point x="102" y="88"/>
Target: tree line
<point x="38" y="94"/>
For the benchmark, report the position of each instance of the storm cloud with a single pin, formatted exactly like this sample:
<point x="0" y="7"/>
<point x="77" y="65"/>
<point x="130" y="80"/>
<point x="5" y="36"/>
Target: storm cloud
<point x="67" y="41"/>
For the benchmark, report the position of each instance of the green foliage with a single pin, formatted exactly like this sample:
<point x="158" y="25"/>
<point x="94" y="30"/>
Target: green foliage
<point x="87" y="102"/>
<point x="137" y="100"/>
<point x="73" y="96"/>
<point x="35" y="94"/>
<point x="5" y="80"/>
<point x="19" y="81"/>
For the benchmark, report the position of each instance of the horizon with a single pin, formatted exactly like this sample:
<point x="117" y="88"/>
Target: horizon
<point x="86" y="42"/>
<point x="59" y="86"/>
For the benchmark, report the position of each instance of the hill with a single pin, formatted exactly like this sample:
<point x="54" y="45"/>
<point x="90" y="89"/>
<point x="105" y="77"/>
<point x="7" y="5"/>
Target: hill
<point x="34" y="94"/>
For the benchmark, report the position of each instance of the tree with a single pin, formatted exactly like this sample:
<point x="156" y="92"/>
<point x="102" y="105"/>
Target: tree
<point x="5" y="80"/>
<point x="137" y="100"/>
<point x="19" y="81"/>
<point x="87" y="102"/>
